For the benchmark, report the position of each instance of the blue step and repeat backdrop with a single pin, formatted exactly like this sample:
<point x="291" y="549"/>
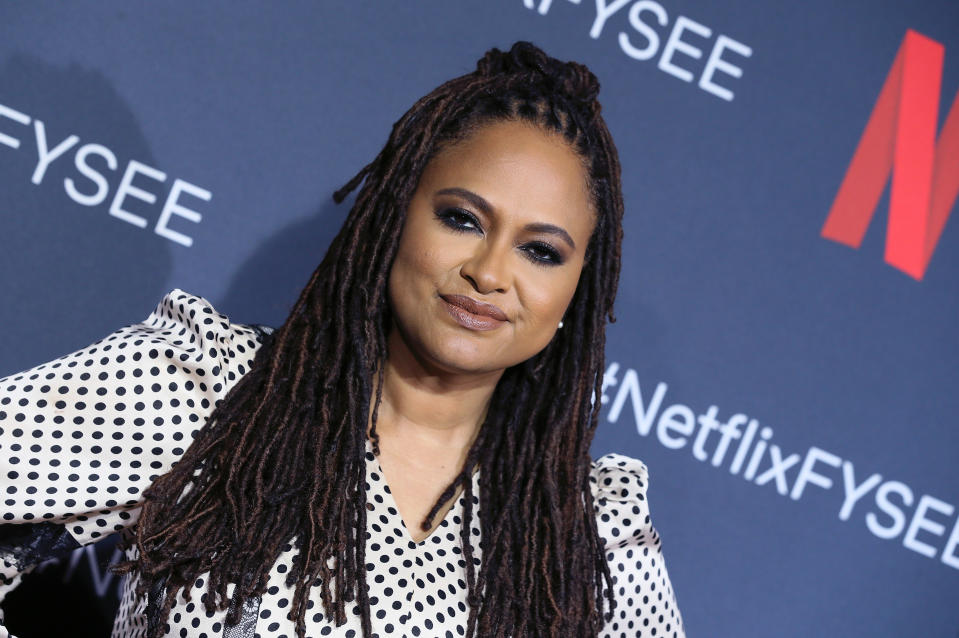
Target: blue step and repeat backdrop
<point x="786" y="359"/>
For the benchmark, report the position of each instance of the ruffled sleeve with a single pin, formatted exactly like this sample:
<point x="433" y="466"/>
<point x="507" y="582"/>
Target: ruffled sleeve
<point x="83" y="436"/>
<point x="645" y="602"/>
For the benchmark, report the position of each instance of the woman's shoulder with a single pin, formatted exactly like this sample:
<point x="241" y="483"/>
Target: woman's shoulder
<point x="644" y="593"/>
<point x="186" y="330"/>
<point x="618" y="478"/>
<point x="605" y="470"/>
<point x="618" y="484"/>
<point x="179" y="310"/>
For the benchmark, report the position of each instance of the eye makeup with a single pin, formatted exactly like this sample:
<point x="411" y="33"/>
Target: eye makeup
<point x="462" y="221"/>
<point x="458" y="219"/>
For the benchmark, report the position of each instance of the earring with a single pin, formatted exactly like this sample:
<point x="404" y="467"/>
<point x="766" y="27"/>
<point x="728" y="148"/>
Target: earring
<point x="560" y="324"/>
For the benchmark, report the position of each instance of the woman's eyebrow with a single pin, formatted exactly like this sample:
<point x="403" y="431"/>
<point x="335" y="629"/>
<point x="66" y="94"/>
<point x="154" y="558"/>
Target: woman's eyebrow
<point x="486" y="208"/>
<point x="469" y="196"/>
<point x="550" y="229"/>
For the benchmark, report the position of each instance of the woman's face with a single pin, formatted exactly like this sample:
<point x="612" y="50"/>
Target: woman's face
<point x="491" y="250"/>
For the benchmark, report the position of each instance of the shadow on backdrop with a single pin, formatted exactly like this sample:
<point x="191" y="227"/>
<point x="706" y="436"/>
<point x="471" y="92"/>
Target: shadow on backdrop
<point x="267" y="285"/>
<point x="71" y="275"/>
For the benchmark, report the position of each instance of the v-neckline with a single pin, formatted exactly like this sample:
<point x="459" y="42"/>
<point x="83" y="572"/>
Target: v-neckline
<point x="390" y="502"/>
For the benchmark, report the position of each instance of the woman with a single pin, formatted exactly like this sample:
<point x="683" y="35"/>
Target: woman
<point x="409" y="453"/>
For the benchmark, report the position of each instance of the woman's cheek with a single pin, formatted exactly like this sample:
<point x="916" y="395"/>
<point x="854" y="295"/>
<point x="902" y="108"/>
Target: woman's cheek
<point x="549" y="295"/>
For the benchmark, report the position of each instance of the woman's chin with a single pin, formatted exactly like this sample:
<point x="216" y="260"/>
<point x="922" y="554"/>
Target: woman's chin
<point x="466" y="357"/>
<point x="454" y="351"/>
<point x="466" y="364"/>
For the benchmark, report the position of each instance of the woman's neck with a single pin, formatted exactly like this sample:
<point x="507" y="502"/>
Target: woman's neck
<point x="426" y="423"/>
<point x="431" y="408"/>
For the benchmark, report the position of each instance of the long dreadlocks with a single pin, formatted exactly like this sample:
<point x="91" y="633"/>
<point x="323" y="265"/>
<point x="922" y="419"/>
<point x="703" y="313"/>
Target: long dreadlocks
<point x="281" y="460"/>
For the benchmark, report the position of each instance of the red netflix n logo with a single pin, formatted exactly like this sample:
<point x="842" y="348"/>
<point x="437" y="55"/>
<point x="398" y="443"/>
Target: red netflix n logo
<point x="901" y="133"/>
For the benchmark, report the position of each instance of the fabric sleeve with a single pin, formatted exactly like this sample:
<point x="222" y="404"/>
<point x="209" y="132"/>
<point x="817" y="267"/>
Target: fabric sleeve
<point x="645" y="602"/>
<point x="83" y="436"/>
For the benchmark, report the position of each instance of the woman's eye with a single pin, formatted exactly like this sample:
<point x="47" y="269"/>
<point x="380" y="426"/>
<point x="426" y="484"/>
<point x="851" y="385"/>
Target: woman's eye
<point x="459" y="219"/>
<point x="543" y="253"/>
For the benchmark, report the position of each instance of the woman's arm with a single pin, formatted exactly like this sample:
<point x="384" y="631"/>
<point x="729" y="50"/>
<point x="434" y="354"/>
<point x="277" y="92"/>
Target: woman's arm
<point x="83" y="436"/>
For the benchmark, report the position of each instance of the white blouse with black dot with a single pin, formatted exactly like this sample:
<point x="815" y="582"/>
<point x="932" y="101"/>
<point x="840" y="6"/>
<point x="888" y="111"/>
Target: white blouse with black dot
<point x="82" y="437"/>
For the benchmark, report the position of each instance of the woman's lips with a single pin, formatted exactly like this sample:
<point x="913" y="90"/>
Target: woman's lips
<point x="473" y="314"/>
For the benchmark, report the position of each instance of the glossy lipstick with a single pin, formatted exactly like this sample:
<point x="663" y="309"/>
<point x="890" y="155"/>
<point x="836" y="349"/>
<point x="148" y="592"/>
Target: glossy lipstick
<point x="473" y="314"/>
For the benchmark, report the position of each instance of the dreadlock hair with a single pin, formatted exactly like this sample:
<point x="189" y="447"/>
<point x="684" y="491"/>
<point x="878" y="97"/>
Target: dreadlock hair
<point x="280" y="462"/>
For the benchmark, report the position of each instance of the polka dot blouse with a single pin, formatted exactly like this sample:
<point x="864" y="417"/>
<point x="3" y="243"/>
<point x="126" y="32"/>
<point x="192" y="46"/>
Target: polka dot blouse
<point x="82" y="437"/>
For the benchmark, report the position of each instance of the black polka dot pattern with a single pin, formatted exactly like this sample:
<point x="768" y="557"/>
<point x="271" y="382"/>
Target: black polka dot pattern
<point x="645" y="602"/>
<point x="82" y="437"/>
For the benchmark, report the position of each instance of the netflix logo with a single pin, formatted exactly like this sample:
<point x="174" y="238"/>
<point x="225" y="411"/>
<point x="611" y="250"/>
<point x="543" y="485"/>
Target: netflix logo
<point x="900" y="139"/>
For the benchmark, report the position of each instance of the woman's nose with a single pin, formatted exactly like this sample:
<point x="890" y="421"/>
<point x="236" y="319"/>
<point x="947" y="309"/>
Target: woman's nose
<point x="487" y="269"/>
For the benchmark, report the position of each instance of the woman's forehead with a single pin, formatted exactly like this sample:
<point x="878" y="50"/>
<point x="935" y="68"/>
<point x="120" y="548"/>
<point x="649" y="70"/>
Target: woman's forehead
<point x="517" y="158"/>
